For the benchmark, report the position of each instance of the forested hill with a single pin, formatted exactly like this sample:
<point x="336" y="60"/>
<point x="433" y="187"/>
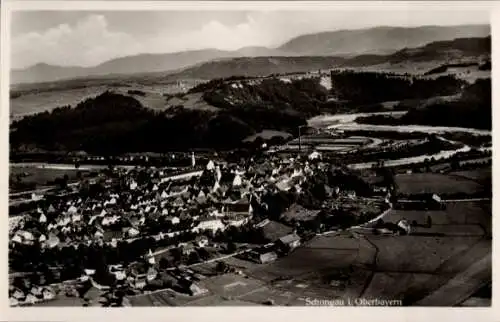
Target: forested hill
<point x="112" y="123"/>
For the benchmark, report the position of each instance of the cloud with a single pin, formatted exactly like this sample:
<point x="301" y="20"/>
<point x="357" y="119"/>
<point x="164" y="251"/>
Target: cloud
<point x="90" y="41"/>
<point x="86" y="43"/>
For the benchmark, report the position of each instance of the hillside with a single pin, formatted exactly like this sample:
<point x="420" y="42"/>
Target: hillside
<point x="45" y="72"/>
<point x="138" y="64"/>
<point x="436" y="52"/>
<point x="258" y="66"/>
<point x="379" y="40"/>
<point x="440" y="51"/>
<point x="143" y="63"/>
<point x="305" y="97"/>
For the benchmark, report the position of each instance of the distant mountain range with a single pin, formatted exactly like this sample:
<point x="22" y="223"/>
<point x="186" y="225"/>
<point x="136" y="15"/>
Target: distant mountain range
<point x="351" y="47"/>
<point x="439" y="52"/>
<point x="378" y="40"/>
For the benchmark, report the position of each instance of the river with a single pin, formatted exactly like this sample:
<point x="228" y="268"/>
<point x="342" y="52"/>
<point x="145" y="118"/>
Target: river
<point x="407" y="128"/>
<point x="348" y="122"/>
<point x="326" y="119"/>
<point x="411" y="160"/>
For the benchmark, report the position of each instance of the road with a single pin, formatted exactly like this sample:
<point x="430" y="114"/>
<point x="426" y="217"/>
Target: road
<point x="406" y="128"/>
<point x="448" y="200"/>
<point x="339" y="119"/>
<point x="381" y="216"/>
<point x="213" y="259"/>
<point x="411" y="160"/>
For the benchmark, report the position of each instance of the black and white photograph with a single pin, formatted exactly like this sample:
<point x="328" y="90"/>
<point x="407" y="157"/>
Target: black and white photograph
<point x="219" y="156"/>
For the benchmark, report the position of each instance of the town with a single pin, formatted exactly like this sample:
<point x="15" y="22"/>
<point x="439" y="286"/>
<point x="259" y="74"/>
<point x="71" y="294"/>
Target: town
<point x="116" y="237"/>
<point x="340" y="167"/>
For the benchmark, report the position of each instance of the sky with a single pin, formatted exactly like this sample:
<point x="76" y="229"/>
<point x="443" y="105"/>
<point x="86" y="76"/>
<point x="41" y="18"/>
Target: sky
<point x="88" y="38"/>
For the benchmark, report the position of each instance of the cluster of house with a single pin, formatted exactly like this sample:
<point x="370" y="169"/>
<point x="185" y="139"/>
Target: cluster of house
<point x="35" y="294"/>
<point x="220" y="196"/>
<point x="271" y="251"/>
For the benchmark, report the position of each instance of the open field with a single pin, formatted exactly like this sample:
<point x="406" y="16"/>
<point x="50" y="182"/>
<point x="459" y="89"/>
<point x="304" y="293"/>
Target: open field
<point x="303" y="261"/>
<point x="36" y="102"/>
<point x="430" y="267"/>
<point x="216" y="300"/>
<point x="240" y="263"/>
<point x="449" y="230"/>
<point x="463" y="284"/>
<point x="482" y="175"/>
<point x="42" y="176"/>
<point x="476" y="260"/>
<point x="341" y="267"/>
<point x="267" y="134"/>
<point x="193" y="101"/>
<point x="279" y="297"/>
<point x="153" y="299"/>
<point x="469" y="74"/>
<point x="329" y="284"/>
<point x="393" y="285"/>
<point x="434" y="183"/>
<point x="474" y="212"/>
<point x="476" y="302"/>
<point x="231" y="285"/>
<point x="417" y="254"/>
<point x="321" y="254"/>
<point x="46" y="101"/>
<point x="62" y="301"/>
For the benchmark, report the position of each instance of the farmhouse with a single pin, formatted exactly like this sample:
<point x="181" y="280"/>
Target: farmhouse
<point x="289" y="242"/>
<point x="267" y="257"/>
<point x="435" y="202"/>
<point x="405" y="226"/>
<point x="211" y="224"/>
<point x="201" y="241"/>
<point x="271" y="231"/>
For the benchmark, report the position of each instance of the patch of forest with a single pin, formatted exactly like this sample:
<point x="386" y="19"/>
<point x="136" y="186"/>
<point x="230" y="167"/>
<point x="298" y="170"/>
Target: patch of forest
<point x="372" y="87"/>
<point x="471" y="110"/>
